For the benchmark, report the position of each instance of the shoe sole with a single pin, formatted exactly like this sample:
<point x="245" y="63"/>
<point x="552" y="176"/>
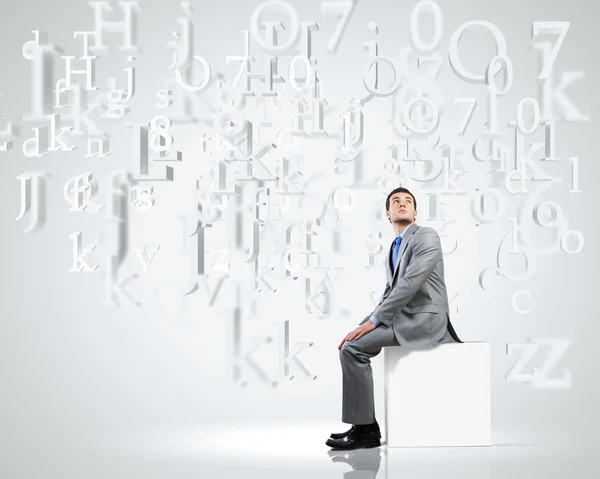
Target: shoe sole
<point x="336" y="435"/>
<point x="365" y="445"/>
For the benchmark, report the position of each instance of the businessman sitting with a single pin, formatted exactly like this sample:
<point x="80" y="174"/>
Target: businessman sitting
<point x="412" y="312"/>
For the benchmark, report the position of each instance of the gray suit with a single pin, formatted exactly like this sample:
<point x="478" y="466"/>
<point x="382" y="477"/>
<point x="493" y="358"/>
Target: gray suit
<point x="413" y="310"/>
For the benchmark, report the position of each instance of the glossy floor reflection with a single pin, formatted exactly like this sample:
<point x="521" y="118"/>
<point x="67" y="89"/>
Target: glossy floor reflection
<point x="298" y="451"/>
<point x="282" y="451"/>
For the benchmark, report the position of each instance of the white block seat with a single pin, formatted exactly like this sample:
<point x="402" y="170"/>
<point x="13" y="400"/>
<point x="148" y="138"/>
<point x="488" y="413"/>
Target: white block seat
<point x="439" y="396"/>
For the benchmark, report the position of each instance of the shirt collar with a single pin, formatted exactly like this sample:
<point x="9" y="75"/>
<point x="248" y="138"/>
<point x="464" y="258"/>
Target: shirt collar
<point x="405" y="230"/>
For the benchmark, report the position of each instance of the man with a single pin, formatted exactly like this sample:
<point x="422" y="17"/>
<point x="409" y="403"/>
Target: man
<point x="412" y="312"/>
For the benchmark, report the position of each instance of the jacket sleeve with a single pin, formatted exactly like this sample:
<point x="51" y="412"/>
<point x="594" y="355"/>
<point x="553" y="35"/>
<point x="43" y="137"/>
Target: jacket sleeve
<point x="385" y="293"/>
<point x="427" y="252"/>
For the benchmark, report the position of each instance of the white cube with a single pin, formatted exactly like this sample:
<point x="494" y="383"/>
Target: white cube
<point x="439" y="396"/>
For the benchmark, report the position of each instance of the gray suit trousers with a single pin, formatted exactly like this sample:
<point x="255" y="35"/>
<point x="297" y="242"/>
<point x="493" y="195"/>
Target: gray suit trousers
<point x="358" y="401"/>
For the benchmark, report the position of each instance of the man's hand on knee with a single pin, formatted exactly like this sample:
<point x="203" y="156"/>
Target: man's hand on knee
<point x="358" y="332"/>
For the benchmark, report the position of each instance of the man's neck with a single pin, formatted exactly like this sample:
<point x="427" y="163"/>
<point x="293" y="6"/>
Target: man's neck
<point x="400" y="227"/>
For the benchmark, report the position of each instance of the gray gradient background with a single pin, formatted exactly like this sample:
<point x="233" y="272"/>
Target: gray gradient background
<point x="83" y="383"/>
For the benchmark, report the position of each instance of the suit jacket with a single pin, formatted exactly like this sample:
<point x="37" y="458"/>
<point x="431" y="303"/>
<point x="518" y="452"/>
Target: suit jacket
<point x="415" y="301"/>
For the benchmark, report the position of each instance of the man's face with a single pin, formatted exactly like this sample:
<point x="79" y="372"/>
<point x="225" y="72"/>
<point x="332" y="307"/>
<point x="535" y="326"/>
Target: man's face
<point x="402" y="209"/>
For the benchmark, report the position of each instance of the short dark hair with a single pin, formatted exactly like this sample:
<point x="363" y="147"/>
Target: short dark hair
<point x="399" y="190"/>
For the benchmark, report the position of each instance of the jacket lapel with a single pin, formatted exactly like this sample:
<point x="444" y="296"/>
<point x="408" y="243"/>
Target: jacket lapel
<point x="405" y="239"/>
<point x="388" y="269"/>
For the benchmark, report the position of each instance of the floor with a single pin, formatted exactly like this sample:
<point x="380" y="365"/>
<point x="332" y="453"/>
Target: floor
<point x="285" y="451"/>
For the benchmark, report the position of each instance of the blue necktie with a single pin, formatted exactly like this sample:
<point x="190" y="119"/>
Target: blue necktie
<point x="396" y="251"/>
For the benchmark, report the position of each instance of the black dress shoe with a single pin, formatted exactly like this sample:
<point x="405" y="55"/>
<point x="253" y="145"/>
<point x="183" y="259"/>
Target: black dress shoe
<point x="339" y="435"/>
<point x="356" y="439"/>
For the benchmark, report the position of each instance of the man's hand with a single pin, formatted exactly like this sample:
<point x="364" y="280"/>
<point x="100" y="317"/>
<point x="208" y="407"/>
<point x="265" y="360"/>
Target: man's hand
<point x="358" y="332"/>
